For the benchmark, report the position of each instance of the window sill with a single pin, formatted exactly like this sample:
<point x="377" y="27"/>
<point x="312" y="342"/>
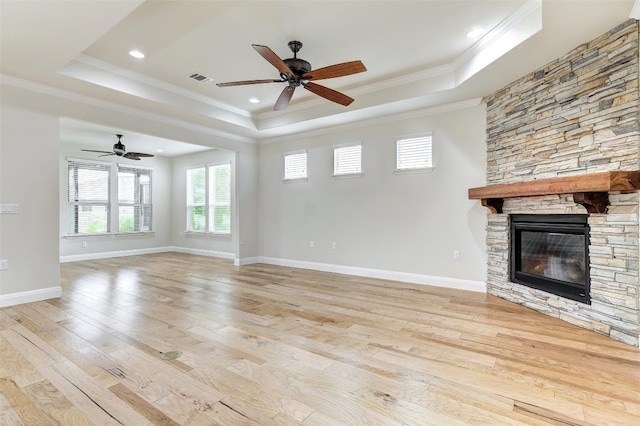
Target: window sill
<point x="126" y="234"/>
<point x="109" y="234"/>
<point x="414" y="171"/>
<point x="347" y="175"/>
<point x="207" y="234"/>
<point x="304" y="179"/>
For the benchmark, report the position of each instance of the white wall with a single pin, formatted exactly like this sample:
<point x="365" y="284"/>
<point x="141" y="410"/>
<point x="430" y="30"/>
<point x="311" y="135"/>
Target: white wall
<point x="71" y="246"/>
<point x="212" y="244"/>
<point x="29" y="178"/>
<point x="399" y="223"/>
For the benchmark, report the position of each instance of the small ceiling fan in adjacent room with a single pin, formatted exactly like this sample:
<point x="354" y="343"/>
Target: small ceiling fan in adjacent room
<point x="297" y="72"/>
<point x="120" y="150"/>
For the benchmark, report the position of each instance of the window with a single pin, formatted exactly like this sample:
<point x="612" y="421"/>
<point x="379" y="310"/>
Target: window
<point x="90" y="186"/>
<point x="220" y="198"/>
<point x="414" y="153"/>
<point x="196" y="199"/>
<point x="347" y="160"/>
<point x="134" y="199"/>
<point x="209" y="199"/>
<point x="295" y="165"/>
<point x="88" y="195"/>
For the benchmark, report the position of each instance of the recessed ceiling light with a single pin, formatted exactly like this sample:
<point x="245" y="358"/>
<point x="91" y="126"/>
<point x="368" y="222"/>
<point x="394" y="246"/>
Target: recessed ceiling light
<point x="254" y="100"/>
<point x="159" y="150"/>
<point x="136" y="54"/>
<point x="475" y="32"/>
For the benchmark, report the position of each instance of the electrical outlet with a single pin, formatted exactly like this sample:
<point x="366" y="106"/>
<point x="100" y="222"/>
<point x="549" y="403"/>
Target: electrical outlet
<point x="312" y="244"/>
<point x="333" y="245"/>
<point x="84" y="244"/>
<point x="456" y="254"/>
<point x="4" y="264"/>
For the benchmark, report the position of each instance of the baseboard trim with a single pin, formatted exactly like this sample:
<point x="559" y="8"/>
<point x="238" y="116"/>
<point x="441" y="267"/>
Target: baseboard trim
<point x="109" y="254"/>
<point x="246" y="261"/>
<point x="153" y="250"/>
<point x="30" y="296"/>
<point x="430" y="280"/>
<point x="200" y="252"/>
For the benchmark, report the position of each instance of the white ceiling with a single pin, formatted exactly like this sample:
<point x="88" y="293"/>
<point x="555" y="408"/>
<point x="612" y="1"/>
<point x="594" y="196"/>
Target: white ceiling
<point x="416" y="54"/>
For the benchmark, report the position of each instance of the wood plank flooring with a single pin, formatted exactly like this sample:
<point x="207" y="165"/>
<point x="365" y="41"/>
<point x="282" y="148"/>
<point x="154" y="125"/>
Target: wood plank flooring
<point x="269" y="345"/>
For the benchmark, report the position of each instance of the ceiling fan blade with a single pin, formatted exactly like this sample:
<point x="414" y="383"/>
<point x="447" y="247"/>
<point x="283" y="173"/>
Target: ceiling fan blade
<point x="131" y="157"/>
<point x="106" y="154"/>
<point x="138" y="154"/>
<point x="329" y="94"/>
<point x="272" y="58"/>
<point x="93" y="150"/>
<point x="337" y="70"/>
<point x="242" y="83"/>
<point x="284" y="98"/>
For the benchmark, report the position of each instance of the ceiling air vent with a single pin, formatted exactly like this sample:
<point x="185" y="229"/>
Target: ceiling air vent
<point x="199" y="77"/>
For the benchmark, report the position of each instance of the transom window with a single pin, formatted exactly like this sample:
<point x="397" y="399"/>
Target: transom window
<point x="414" y="153"/>
<point x="295" y="165"/>
<point x="347" y="160"/>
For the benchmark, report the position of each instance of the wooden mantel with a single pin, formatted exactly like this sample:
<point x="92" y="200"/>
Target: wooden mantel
<point x="590" y="190"/>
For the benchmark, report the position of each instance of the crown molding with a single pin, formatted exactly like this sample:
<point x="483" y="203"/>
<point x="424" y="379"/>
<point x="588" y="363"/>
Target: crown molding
<point x="383" y="117"/>
<point x="87" y="100"/>
<point x="159" y="84"/>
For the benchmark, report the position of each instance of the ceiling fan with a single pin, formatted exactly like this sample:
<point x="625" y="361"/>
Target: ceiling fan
<point x="297" y="72"/>
<point x="120" y="150"/>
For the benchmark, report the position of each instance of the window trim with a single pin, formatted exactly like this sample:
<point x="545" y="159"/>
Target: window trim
<point x="335" y="158"/>
<point x="304" y="178"/>
<point x="138" y="204"/>
<point x="413" y="170"/>
<point x="113" y="206"/>
<point x="108" y="167"/>
<point x="206" y="203"/>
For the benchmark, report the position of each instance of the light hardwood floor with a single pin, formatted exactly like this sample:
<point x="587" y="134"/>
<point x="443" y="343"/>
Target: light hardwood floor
<point x="272" y="345"/>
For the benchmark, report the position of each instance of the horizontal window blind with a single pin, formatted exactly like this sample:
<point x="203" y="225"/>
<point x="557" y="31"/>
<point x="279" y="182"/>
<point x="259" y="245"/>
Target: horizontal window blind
<point x="88" y="197"/>
<point x="414" y="153"/>
<point x="220" y="198"/>
<point x="347" y="160"/>
<point x="295" y="165"/>
<point x="209" y="199"/>
<point x="196" y="199"/>
<point x="134" y="199"/>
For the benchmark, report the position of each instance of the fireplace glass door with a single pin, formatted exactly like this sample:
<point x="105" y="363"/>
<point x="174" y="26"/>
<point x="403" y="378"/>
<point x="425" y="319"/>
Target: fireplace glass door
<point x="550" y="253"/>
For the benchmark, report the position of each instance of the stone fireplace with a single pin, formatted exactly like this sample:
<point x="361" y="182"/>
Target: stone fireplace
<point x="570" y="121"/>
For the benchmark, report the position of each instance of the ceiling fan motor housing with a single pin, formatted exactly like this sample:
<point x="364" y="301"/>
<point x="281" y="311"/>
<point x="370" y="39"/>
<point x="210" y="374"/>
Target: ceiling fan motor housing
<point x="119" y="149"/>
<point x="298" y="66"/>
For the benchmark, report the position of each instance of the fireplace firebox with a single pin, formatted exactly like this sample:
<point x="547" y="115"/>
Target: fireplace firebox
<point x="551" y="253"/>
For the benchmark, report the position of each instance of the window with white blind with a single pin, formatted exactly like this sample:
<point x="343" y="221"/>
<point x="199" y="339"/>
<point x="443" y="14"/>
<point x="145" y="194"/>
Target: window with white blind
<point x="104" y="199"/>
<point x="88" y="196"/>
<point x="414" y="153"/>
<point x="295" y="165"/>
<point x="134" y="199"/>
<point x="219" y="198"/>
<point x="209" y="199"/>
<point x="347" y="160"/>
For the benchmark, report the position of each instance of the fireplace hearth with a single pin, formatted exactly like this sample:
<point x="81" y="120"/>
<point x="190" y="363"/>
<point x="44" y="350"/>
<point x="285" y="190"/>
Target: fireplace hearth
<point x="551" y="253"/>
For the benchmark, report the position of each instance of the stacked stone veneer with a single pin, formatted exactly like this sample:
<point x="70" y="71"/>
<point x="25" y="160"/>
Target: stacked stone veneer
<point x="579" y="114"/>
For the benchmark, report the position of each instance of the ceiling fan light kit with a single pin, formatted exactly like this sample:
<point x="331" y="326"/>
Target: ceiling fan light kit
<point x="297" y="72"/>
<point x="121" y="151"/>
